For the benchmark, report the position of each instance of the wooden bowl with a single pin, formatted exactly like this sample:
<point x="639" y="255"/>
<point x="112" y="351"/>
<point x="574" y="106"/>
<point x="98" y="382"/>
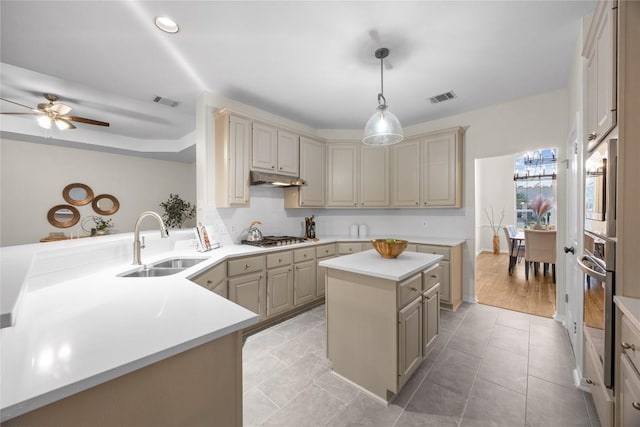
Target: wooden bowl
<point x="389" y="248"/>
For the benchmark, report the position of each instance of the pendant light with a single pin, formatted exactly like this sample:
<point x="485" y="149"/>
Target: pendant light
<point x="383" y="128"/>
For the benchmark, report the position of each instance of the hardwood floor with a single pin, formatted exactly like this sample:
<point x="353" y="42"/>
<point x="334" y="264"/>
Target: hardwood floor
<point x="495" y="287"/>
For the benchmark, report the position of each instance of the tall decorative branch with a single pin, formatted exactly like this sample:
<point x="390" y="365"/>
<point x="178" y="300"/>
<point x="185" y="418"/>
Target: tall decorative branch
<point x="492" y="222"/>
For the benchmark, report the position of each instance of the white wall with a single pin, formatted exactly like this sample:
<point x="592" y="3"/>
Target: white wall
<point x="494" y="189"/>
<point x="518" y="126"/>
<point x="33" y="177"/>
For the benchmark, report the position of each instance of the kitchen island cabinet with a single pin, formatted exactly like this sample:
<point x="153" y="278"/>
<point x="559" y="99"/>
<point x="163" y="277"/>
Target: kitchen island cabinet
<point x="375" y="317"/>
<point x="201" y="386"/>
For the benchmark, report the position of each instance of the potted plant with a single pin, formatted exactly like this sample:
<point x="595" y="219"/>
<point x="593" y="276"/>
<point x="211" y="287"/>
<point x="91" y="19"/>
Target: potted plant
<point x="177" y="211"/>
<point x="102" y="224"/>
<point x="496" y="230"/>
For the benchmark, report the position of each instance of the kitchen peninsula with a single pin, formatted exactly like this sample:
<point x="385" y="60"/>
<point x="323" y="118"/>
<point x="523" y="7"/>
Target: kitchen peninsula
<point x="382" y="314"/>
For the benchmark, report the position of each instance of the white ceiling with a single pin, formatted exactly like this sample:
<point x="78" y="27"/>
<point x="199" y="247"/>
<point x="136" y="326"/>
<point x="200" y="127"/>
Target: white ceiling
<point x="309" y="61"/>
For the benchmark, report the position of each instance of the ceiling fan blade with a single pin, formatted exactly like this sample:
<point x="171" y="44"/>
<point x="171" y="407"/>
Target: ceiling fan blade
<point x="17" y="103"/>
<point x="24" y="114"/>
<point x="63" y="123"/>
<point x="85" y="120"/>
<point x="61" y="109"/>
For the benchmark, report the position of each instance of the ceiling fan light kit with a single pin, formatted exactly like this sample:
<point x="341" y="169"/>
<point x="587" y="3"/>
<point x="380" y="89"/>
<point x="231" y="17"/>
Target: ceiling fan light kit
<point x="383" y="128"/>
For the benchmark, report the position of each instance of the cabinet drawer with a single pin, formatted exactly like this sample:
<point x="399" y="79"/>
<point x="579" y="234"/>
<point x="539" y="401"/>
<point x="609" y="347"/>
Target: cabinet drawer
<point x="325" y="251"/>
<point x="245" y="265"/>
<point x="279" y="259"/>
<point x="431" y="277"/>
<point x="306" y="254"/>
<point x="347" y="248"/>
<point x="599" y="393"/>
<point x="409" y="290"/>
<point x="630" y="337"/>
<point x="438" y="250"/>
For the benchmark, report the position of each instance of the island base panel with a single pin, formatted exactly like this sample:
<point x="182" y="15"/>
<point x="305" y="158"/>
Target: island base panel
<point x="361" y="315"/>
<point x="201" y="386"/>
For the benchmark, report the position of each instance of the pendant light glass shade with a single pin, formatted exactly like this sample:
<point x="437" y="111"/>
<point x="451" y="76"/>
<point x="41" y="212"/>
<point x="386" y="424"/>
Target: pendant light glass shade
<point x="383" y="128"/>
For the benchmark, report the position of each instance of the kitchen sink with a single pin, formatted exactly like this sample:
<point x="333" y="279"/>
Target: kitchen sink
<point x="182" y="263"/>
<point x="152" y="272"/>
<point x="164" y="268"/>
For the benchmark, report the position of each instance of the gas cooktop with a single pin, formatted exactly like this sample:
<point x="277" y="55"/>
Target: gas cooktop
<point x="270" y="241"/>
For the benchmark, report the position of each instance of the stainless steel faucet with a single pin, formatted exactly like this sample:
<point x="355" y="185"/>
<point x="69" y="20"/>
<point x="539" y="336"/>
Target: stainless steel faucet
<point x="136" y="234"/>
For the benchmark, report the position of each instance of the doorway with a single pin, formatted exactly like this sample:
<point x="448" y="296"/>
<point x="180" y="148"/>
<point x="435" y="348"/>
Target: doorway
<point x="506" y="191"/>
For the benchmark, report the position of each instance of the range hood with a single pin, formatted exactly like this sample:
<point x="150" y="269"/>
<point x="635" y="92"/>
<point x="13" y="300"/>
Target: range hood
<point x="274" y="180"/>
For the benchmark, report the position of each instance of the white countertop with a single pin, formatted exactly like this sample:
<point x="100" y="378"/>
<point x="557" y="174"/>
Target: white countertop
<point x="370" y="263"/>
<point x="82" y="332"/>
<point x="630" y="307"/>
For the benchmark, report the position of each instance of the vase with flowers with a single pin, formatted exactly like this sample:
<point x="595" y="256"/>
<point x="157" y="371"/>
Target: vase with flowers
<point x="540" y="206"/>
<point x="495" y="229"/>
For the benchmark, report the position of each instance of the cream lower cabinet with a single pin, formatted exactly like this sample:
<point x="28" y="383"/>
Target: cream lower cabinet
<point x="323" y="252"/>
<point x="214" y="279"/>
<point x="410" y="340"/>
<point x="304" y="271"/>
<point x="279" y="282"/>
<point x="629" y="399"/>
<point x="247" y="284"/>
<point x="593" y="374"/>
<point x="450" y="274"/>
<point x="430" y="307"/>
<point x="346" y="248"/>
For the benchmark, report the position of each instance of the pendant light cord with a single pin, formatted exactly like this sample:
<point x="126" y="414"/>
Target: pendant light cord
<point x="383" y="104"/>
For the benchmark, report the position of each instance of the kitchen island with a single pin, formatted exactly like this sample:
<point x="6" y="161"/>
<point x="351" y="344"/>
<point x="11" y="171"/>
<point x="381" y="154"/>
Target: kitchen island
<point x="382" y="314"/>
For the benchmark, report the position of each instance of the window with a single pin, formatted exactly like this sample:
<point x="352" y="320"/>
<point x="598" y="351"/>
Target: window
<point x="535" y="177"/>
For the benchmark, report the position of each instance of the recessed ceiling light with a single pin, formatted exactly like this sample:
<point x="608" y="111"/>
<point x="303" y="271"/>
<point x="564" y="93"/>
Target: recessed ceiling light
<point x="166" y="24"/>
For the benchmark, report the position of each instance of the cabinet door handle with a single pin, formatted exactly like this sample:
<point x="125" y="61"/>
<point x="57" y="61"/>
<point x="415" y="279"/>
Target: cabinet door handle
<point x="430" y="298"/>
<point x="305" y="255"/>
<point x="247" y="266"/>
<point x="592" y="136"/>
<point x="588" y="381"/>
<point x="414" y="290"/>
<point x="209" y="282"/>
<point x="433" y="276"/>
<point x="417" y="203"/>
<point x="627" y="346"/>
<point x="279" y="260"/>
<point x="273" y="167"/>
<point x="635" y="405"/>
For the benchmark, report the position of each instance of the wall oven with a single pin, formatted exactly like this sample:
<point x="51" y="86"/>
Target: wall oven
<point x="599" y="257"/>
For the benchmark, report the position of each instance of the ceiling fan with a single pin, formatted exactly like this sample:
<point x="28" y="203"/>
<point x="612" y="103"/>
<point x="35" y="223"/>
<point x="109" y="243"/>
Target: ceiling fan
<point x="54" y="112"/>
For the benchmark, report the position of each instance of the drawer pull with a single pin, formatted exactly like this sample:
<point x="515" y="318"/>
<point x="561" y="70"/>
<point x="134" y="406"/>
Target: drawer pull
<point x="305" y="255"/>
<point x="635" y="405"/>
<point x="433" y="276"/>
<point x="430" y="298"/>
<point x="627" y="346"/>
<point x="414" y="290"/>
<point x="247" y="266"/>
<point x="279" y="260"/>
<point x="209" y="282"/>
<point x="588" y="381"/>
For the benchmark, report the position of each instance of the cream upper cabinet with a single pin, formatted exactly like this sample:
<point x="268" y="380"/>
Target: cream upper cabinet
<point x="600" y="52"/>
<point x="342" y="179"/>
<point x="405" y="176"/>
<point x="288" y="153"/>
<point x="441" y="169"/>
<point x="233" y="144"/>
<point x="358" y="176"/>
<point x="264" y="147"/>
<point x="274" y="150"/>
<point x="374" y="176"/>
<point x="313" y="170"/>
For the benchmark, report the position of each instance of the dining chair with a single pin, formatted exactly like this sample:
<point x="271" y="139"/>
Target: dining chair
<point x="540" y="247"/>
<point x="516" y="248"/>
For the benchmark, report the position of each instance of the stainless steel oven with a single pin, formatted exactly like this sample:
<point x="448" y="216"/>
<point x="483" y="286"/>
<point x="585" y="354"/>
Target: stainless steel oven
<point x="599" y="257"/>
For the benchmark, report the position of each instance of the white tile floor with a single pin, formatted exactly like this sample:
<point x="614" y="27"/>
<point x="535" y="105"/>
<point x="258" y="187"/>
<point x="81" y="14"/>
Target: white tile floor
<point x="488" y="367"/>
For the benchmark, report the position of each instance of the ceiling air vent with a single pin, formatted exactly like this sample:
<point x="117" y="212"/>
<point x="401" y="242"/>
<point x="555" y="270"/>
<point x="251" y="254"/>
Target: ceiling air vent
<point x="166" y="101"/>
<point x="443" y="97"/>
